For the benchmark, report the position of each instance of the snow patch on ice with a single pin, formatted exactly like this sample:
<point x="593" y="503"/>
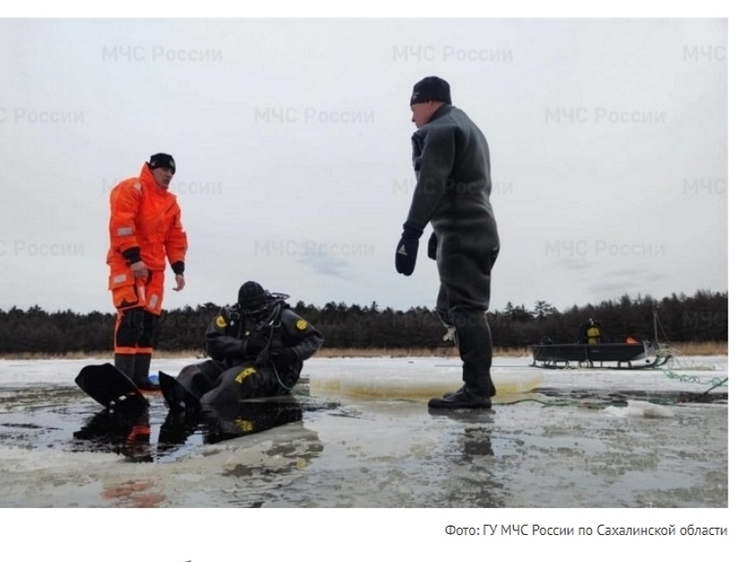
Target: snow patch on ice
<point x="640" y="409"/>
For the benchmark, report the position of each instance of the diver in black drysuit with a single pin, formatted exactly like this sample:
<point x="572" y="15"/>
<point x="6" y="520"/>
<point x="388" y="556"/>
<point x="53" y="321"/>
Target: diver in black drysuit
<point x="452" y="165"/>
<point x="257" y="348"/>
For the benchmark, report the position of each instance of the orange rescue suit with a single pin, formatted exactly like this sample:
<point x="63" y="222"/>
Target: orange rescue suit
<point x="146" y="222"/>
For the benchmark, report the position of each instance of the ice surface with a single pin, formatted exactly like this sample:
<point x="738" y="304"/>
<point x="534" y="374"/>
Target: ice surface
<point x="397" y="377"/>
<point x="554" y="438"/>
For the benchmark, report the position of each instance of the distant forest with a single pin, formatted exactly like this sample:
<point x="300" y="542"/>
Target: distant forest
<point x="699" y="318"/>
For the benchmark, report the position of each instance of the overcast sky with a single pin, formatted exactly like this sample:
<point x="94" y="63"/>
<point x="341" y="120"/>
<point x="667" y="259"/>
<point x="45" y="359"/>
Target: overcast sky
<point x="292" y="143"/>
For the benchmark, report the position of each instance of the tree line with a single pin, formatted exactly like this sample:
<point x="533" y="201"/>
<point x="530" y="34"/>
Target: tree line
<point x="698" y="318"/>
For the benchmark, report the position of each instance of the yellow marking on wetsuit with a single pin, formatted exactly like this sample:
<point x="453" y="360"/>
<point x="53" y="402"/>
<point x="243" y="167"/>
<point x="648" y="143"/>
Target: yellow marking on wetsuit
<point x="248" y="372"/>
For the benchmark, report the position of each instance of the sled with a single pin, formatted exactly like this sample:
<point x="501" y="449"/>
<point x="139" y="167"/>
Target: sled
<point x="634" y="355"/>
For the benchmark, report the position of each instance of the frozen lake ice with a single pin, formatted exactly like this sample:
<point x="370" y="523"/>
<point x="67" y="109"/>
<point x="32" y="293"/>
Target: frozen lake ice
<point x="358" y="434"/>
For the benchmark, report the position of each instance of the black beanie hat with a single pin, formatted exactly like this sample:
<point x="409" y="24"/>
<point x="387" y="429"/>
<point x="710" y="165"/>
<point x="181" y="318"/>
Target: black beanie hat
<point x="431" y="88"/>
<point x="252" y="296"/>
<point x="162" y="160"/>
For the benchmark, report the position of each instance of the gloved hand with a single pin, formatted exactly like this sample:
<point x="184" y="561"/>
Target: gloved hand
<point x="263" y="357"/>
<point x="432" y="246"/>
<point x="254" y="344"/>
<point x="407" y="249"/>
<point x="284" y="357"/>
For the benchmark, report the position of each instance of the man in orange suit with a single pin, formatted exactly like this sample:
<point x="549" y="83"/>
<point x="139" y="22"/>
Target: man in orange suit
<point x="145" y="230"/>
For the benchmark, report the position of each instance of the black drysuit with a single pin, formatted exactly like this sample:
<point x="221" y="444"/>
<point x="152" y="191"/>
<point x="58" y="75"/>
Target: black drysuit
<point x="452" y="165"/>
<point x="251" y="359"/>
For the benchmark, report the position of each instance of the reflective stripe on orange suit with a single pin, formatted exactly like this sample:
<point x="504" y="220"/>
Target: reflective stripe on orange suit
<point x="124" y="341"/>
<point x="146" y="216"/>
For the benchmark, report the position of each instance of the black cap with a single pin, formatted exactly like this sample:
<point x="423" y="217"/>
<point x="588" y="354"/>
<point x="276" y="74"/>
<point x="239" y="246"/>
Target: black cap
<point x="252" y="296"/>
<point x="162" y="160"/>
<point x="431" y="88"/>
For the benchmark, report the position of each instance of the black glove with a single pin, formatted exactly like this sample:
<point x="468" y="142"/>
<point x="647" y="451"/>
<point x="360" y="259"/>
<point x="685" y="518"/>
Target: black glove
<point x="432" y="246"/>
<point x="284" y="357"/>
<point x="254" y="344"/>
<point x="407" y="249"/>
<point x="263" y="357"/>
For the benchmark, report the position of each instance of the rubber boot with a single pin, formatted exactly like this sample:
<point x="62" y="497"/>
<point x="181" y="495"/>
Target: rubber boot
<point x="142" y="372"/>
<point x="454" y="335"/>
<point x="492" y="390"/>
<point x="126" y="364"/>
<point x="476" y="351"/>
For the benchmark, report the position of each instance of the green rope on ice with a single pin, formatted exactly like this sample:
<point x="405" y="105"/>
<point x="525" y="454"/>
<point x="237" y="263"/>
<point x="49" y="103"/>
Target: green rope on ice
<point x="544" y="403"/>
<point x="547" y="404"/>
<point x="714" y="382"/>
<point x="719" y="383"/>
